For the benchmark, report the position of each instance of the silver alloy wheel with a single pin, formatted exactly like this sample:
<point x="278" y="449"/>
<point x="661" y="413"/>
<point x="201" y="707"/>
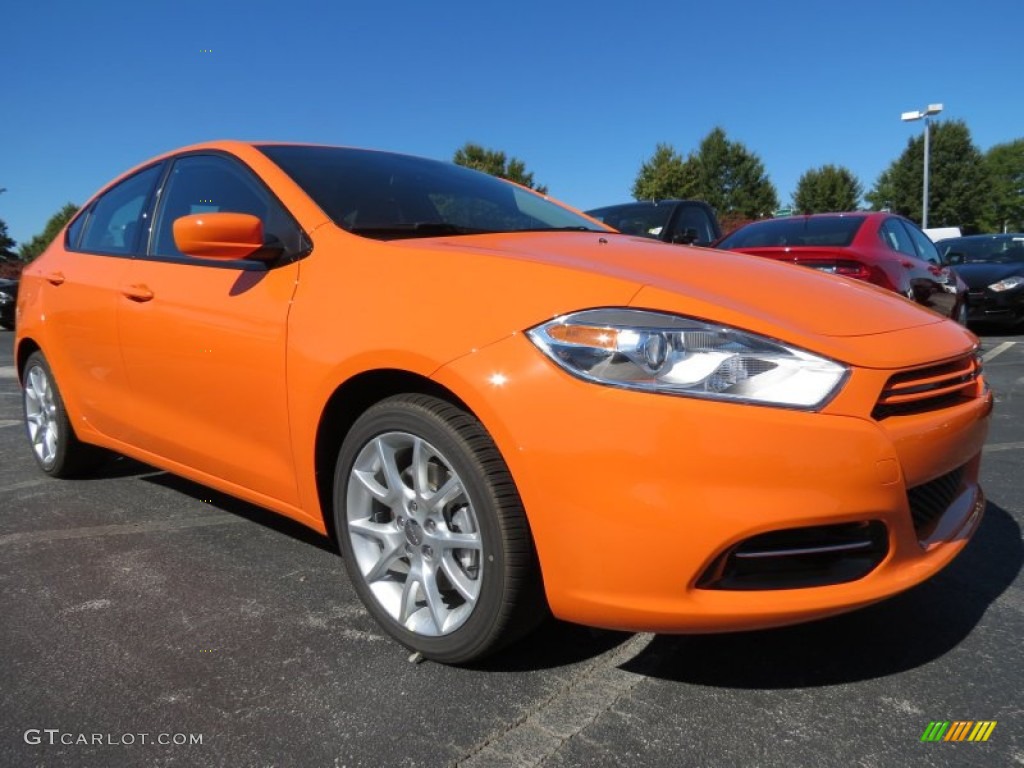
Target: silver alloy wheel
<point x="41" y="415"/>
<point x="414" y="533"/>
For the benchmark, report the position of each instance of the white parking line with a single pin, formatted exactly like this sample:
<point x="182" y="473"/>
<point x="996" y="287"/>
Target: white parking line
<point x="1003" y="447"/>
<point x="992" y="352"/>
<point x="32" y="537"/>
<point x="8" y="423"/>
<point x="8" y="372"/>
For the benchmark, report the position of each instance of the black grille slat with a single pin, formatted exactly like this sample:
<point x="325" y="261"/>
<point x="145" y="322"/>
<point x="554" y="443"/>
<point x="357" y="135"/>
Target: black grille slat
<point x="928" y="502"/>
<point x="929" y="389"/>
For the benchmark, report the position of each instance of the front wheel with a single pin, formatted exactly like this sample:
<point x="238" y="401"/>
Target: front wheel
<point x="432" y="530"/>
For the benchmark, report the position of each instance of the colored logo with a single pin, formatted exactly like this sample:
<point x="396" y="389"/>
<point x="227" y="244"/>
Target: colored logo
<point x="958" y="730"/>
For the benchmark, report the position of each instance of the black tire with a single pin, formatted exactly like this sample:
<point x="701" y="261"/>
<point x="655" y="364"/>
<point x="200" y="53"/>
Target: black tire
<point x="484" y="506"/>
<point x="57" y="451"/>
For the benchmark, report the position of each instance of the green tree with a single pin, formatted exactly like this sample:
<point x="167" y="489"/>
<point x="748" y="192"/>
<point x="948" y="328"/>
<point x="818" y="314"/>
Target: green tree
<point x="828" y="188"/>
<point x="665" y="175"/>
<point x="731" y="178"/>
<point x="39" y="243"/>
<point x="9" y="264"/>
<point x="496" y="163"/>
<point x="6" y="243"/>
<point x="958" y="180"/>
<point x="1004" y="164"/>
<point x="723" y="173"/>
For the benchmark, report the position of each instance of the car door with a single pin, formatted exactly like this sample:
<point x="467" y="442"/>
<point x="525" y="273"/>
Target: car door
<point x="81" y="341"/>
<point x="941" y="282"/>
<point x="203" y="341"/>
<point x="915" y="280"/>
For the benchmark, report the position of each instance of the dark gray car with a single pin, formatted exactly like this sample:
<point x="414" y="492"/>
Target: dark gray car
<point x="8" y="298"/>
<point x="993" y="268"/>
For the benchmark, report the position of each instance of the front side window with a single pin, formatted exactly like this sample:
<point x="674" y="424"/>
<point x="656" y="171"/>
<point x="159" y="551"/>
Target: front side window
<point x="117" y="219"/>
<point x="214" y="184"/>
<point x="693" y="221"/>
<point x="925" y="247"/>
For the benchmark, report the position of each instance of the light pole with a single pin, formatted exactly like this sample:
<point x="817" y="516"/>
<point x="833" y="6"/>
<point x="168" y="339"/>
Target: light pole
<point x="924" y="114"/>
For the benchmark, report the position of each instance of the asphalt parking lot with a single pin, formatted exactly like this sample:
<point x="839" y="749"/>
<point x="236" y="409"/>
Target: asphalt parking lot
<point x="147" y="620"/>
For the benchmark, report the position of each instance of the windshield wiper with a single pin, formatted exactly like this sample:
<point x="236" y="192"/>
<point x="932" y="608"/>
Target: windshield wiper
<point x="419" y="229"/>
<point x="576" y="228"/>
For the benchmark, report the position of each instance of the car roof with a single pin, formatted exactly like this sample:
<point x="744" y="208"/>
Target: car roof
<point x="991" y="236"/>
<point x="647" y="203"/>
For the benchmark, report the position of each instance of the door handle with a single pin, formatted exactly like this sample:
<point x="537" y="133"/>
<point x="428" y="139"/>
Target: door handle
<point x="137" y="292"/>
<point x="56" y="278"/>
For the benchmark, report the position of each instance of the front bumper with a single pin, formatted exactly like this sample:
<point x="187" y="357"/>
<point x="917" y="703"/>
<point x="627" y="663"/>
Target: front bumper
<point x="988" y="306"/>
<point x="632" y="497"/>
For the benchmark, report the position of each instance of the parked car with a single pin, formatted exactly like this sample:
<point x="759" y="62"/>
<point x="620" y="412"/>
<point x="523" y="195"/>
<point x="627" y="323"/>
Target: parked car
<point x="8" y="301"/>
<point x="685" y="222"/>
<point x="497" y="406"/>
<point x="879" y="248"/>
<point x="993" y="268"/>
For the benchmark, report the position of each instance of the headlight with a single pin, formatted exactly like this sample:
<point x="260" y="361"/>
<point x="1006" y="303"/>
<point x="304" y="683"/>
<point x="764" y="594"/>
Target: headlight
<point x="670" y="354"/>
<point x="1008" y="283"/>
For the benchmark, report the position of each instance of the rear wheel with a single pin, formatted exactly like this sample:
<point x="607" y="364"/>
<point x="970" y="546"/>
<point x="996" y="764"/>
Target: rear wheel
<point x="432" y="530"/>
<point x="56" y="449"/>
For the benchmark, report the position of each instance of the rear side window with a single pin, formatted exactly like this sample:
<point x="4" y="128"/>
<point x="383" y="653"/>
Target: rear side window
<point x="75" y="231"/>
<point x="118" y="217"/>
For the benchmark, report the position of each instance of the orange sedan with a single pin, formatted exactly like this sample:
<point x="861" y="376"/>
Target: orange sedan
<point x="495" y="405"/>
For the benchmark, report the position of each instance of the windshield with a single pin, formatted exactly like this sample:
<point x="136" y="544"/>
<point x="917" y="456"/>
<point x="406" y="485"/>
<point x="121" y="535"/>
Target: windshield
<point x="387" y="196"/>
<point x="834" y="231"/>
<point x="986" y="250"/>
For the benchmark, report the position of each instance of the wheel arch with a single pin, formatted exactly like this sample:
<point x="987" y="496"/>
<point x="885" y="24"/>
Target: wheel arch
<point x="25" y="349"/>
<point x="346" y="404"/>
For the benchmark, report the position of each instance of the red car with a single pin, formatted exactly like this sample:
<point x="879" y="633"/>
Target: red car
<point x="879" y="248"/>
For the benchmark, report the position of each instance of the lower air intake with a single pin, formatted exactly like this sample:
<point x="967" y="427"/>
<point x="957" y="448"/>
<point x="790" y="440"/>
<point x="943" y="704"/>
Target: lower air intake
<point x="797" y="558"/>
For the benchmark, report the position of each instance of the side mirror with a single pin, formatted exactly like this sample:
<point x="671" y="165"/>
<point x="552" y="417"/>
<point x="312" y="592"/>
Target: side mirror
<point x="953" y="258"/>
<point x="223" y="236"/>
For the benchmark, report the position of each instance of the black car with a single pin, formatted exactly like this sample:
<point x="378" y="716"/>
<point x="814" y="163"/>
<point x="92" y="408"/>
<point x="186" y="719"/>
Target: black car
<point x="686" y="222"/>
<point x="8" y="298"/>
<point x="993" y="268"/>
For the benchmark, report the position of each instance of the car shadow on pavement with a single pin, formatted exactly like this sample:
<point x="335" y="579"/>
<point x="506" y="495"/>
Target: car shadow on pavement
<point x="899" y="634"/>
<point x="236" y="506"/>
<point x="553" y="644"/>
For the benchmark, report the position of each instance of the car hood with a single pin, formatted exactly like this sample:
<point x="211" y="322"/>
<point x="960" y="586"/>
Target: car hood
<point x="727" y="286"/>
<point x="791" y="303"/>
<point x="980" y="276"/>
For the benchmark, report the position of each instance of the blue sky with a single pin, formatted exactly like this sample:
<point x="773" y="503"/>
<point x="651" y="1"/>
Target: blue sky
<point x="581" y="92"/>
